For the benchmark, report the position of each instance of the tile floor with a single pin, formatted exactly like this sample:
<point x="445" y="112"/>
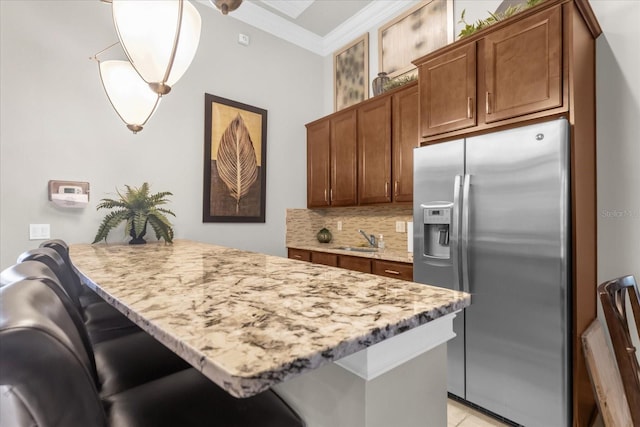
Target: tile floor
<point x="459" y="415"/>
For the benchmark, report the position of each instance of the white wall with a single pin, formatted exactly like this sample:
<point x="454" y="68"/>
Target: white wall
<point x="56" y="123"/>
<point x="618" y="100"/>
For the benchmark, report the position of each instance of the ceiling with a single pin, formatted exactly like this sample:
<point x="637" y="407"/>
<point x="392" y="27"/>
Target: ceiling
<point x="321" y="26"/>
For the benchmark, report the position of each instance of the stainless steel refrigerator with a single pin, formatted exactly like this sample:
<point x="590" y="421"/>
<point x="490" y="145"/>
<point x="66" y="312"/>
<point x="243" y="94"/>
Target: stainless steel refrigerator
<point x="491" y="217"/>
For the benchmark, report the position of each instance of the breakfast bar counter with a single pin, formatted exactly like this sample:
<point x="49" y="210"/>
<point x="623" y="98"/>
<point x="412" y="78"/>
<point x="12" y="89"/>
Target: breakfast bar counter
<point x="251" y="321"/>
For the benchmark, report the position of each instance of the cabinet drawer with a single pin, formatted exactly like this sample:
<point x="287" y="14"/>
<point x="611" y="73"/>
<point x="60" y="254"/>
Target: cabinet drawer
<point x="355" y="263"/>
<point x="299" y="254"/>
<point x="397" y="270"/>
<point x="324" y="258"/>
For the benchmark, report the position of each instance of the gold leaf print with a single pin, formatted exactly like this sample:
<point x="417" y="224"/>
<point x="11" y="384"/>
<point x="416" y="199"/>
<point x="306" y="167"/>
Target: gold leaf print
<point x="237" y="164"/>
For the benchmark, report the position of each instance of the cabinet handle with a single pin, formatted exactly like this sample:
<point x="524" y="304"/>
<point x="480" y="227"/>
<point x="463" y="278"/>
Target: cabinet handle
<point x="297" y="256"/>
<point x="487" y="103"/>
<point x="325" y="196"/>
<point x="386" y="189"/>
<point x="395" y="188"/>
<point x="392" y="272"/>
<point x="469" y="108"/>
<point x="331" y="195"/>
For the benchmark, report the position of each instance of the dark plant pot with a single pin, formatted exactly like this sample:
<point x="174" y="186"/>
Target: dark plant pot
<point x="324" y="236"/>
<point x="139" y="239"/>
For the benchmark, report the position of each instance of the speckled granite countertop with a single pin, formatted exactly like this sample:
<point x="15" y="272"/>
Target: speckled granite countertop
<point x="385" y="255"/>
<point x="248" y="320"/>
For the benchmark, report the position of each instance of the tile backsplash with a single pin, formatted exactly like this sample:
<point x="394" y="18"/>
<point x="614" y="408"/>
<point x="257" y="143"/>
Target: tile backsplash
<point x="304" y="224"/>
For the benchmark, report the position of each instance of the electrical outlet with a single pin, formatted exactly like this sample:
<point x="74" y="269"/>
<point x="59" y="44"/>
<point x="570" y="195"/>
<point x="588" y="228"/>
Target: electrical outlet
<point x="401" y="227"/>
<point x="39" y="231"/>
<point x="339" y="226"/>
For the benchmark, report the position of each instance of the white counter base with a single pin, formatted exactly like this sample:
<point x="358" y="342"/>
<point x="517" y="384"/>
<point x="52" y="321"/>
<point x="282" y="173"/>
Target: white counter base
<point x="400" y="390"/>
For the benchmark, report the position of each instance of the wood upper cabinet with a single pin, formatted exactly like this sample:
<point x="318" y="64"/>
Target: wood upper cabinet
<point x="523" y="66"/>
<point x="514" y="72"/>
<point x="343" y="152"/>
<point x="331" y="161"/>
<point x="374" y="146"/>
<point x="404" y="128"/>
<point x="318" y="163"/>
<point x="448" y="91"/>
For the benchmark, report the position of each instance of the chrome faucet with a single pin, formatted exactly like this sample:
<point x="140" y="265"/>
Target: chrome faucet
<point x="371" y="238"/>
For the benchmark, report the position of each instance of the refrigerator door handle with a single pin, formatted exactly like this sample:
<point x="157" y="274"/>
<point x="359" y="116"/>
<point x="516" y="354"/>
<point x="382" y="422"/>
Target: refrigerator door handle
<point x="455" y="233"/>
<point x="465" y="232"/>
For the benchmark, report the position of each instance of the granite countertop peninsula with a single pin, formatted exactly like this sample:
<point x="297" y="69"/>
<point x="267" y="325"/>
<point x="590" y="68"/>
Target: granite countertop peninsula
<point x="385" y="255"/>
<point x="247" y="320"/>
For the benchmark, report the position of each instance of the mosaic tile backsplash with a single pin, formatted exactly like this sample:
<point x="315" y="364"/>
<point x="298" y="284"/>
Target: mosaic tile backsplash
<point x="304" y="224"/>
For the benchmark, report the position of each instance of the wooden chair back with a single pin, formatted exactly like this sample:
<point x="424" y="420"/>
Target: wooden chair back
<point x="613" y="295"/>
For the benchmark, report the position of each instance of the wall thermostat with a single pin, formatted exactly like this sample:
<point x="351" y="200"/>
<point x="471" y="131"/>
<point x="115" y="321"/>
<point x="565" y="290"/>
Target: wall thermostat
<point x="69" y="194"/>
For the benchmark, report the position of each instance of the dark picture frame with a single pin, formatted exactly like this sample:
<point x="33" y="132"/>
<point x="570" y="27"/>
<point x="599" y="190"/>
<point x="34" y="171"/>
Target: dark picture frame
<point x="234" y="182"/>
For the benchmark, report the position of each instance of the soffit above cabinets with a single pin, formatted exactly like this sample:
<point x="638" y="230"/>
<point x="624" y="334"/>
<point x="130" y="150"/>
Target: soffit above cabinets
<point x="320" y="26"/>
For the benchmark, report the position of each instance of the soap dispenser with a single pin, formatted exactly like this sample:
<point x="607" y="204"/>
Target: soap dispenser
<point x="380" y="243"/>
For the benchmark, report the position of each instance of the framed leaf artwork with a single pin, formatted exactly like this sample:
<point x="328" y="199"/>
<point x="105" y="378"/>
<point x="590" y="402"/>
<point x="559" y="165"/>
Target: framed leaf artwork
<point x="235" y="154"/>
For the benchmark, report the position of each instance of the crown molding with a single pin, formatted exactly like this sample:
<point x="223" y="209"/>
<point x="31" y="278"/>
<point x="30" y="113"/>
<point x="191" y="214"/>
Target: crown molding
<point x="374" y="14"/>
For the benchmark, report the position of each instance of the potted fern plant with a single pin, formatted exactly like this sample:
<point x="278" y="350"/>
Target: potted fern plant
<point x="138" y="208"/>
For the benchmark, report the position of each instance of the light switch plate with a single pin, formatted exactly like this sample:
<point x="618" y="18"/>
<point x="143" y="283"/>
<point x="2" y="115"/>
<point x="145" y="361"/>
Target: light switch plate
<point x="339" y="226"/>
<point x="39" y="231"/>
<point x="401" y="227"/>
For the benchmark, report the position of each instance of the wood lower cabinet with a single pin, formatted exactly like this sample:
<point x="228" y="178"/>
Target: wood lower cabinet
<point x="360" y="264"/>
<point x="324" y="258"/>
<point x="299" y="254"/>
<point x="396" y="270"/>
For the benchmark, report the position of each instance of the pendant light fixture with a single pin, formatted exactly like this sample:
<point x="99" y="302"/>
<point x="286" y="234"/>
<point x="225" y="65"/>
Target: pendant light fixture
<point x="160" y="38"/>
<point x="226" y="6"/>
<point x="129" y="95"/>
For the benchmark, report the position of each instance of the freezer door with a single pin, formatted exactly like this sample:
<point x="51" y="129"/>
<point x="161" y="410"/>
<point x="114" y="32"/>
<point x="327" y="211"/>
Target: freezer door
<point x="517" y="327"/>
<point x="435" y="171"/>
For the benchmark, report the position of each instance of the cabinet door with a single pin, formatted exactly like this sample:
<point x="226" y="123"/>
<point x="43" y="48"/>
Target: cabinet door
<point x="362" y="265"/>
<point x="448" y="91"/>
<point x="299" y="254"/>
<point x="318" y="138"/>
<point x="523" y="68"/>
<point x="343" y="188"/>
<point x="374" y="147"/>
<point x="397" y="270"/>
<point x="324" y="258"/>
<point x="404" y="124"/>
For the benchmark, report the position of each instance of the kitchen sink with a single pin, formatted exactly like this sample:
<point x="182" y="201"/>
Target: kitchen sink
<point x="357" y="249"/>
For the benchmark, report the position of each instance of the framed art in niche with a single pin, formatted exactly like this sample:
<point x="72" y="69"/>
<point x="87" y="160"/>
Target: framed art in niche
<point x="351" y="73"/>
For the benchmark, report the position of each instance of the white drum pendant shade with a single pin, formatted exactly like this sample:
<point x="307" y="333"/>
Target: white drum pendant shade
<point x="147" y="30"/>
<point x="129" y="95"/>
